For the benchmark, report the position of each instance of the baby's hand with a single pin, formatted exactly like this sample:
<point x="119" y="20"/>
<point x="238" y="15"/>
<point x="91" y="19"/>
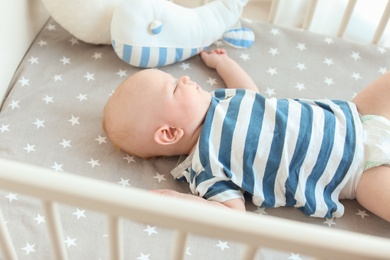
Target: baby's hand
<point x="214" y="57"/>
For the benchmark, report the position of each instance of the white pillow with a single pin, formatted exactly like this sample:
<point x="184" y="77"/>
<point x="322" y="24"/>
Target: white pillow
<point x="87" y="20"/>
<point x="152" y="33"/>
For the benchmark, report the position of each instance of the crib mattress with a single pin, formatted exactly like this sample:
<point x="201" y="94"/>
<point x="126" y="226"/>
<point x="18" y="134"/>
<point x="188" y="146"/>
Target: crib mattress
<point x="52" y="118"/>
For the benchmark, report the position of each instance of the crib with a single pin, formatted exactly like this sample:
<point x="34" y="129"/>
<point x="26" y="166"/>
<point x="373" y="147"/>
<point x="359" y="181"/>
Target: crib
<point x="67" y="193"/>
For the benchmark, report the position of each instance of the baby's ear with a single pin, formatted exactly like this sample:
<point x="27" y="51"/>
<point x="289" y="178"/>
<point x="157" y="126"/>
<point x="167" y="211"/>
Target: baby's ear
<point x="166" y="135"/>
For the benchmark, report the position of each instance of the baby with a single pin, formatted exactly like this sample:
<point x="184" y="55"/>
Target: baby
<point x="283" y="152"/>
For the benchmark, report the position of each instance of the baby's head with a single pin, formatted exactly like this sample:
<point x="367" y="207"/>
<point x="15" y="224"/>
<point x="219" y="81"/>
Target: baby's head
<point x="153" y="114"/>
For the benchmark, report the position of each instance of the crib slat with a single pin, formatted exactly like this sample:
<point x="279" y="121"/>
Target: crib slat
<point x="309" y="14"/>
<point x="55" y="229"/>
<point x="115" y="241"/>
<point x="180" y="244"/>
<point x="347" y="17"/>
<point x="382" y="24"/>
<point x="5" y="241"/>
<point x="273" y="10"/>
<point x="249" y="253"/>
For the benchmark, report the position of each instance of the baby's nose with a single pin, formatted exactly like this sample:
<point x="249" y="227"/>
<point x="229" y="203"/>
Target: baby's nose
<point x="186" y="80"/>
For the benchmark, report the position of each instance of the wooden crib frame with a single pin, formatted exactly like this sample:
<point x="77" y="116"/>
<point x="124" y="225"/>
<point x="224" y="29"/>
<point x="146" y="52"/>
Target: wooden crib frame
<point x="254" y="231"/>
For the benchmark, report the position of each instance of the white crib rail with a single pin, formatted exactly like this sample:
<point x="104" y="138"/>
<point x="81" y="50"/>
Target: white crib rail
<point x="254" y="231"/>
<point x="348" y="12"/>
<point x="382" y="24"/>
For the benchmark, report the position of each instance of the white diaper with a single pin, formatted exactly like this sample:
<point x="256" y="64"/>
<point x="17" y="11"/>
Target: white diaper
<point x="376" y="143"/>
<point x="376" y="139"/>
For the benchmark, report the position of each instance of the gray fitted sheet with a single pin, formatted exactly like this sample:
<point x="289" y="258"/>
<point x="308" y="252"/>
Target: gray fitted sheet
<point x="52" y="118"/>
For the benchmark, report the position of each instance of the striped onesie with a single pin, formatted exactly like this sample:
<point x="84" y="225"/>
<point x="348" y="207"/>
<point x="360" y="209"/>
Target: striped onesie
<point x="283" y="152"/>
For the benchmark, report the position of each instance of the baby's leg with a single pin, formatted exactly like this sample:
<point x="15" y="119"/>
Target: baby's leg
<point x="375" y="99"/>
<point x="373" y="191"/>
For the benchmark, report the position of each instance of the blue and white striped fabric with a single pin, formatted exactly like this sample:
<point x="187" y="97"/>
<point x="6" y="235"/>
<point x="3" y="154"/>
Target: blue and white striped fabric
<point x="151" y="57"/>
<point x="283" y="152"/>
<point x="241" y="38"/>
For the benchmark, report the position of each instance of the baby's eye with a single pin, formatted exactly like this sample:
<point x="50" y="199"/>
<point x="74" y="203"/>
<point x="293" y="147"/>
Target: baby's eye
<point x="176" y="83"/>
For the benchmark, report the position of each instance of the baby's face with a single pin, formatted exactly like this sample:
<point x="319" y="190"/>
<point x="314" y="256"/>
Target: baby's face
<point x="151" y="99"/>
<point x="178" y="102"/>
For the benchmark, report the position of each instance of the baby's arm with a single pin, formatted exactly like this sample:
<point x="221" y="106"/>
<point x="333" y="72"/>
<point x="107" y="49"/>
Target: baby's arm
<point x="237" y="204"/>
<point x="231" y="73"/>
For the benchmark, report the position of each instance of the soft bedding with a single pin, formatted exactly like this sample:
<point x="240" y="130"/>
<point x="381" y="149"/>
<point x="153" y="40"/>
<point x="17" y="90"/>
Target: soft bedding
<point x="52" y="118"/>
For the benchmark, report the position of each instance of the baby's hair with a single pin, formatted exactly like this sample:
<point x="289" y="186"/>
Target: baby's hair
<point x="119" y="149"/>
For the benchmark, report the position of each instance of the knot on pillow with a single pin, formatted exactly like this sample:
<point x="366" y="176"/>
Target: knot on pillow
<point x="155" y="27"/>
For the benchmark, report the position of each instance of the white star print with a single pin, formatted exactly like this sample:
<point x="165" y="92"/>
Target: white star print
<point x="261" y="211"/>
<point x="122" y="73"/>
<point x="330" y="222"/>
<point x="223" y="245"/>
<point x="4" y="128"/>
<point x="51" y="27"/>
<point x="356" y="76"/>
<point x="11" y="196"/>
<point x="29" y="248"/>
<point x="57" y="77"/>
<point x="382" y="70"/>
<point x="82" y="97"/>
<point x="65" y="60"/>
<point x="29" y="148"/>
<point x="244" y="56"/>
<point x="295" y="257"/>
<point x="159" y="177"/>
<point x="301" y="46"/>
<point x="329" y="81"/>
<point x="273" y="51"/>
<point x="39" y="123"/>
<point x="89" y="76"/>
<point x="381" y="49"/>
<point x="101" y="139"/>
<point x="301" y="66"/>
<point x="79" y="213"/>
<point x="275" y="31"/>
<point x="97" y="55"/>
<point x="33" y="60"/>
<point x="150" y="230"/>
<point x="73" y="41"/>
<point x="270" y="92"/>
<point x="48" y="99"/>
<point x="355" y="56"/>
<point x="70" y="241"/>
<point x="362" y="213"/>
<point x="74" y="120"/>
<point x="14" y="104"/>
<point x="328" y="61"/>
<point x="328" y="40"/>
<point x="143" y="257"/>
<point x="129" y="158"/>
<point x="219" y="43"/>
<point x="185" y="66"/>
<point x="272" y="71"/>
<point x="40" y="219"/>
<point x="300" y="86"/>
<point x="212" y="81"/>
<point x="24" y="81"/>
<point x="57" y="167"/>
<point x="93" y="163"/>
<point x="42" y="43"/>
<point x="124" y="182"/>
<point x="65" y="143"/>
